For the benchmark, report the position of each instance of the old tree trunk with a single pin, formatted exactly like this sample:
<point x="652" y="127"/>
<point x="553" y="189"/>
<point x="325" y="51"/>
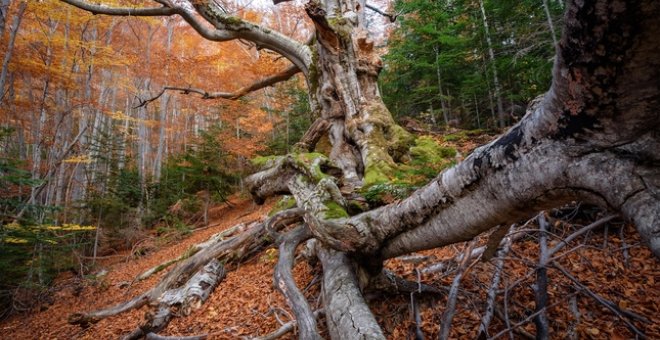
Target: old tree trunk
<point x="594" y="137"/>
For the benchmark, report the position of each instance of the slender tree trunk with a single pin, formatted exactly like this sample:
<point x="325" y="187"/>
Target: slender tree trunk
<point x="445" y="114"/>
<point x="476" y="108"/>
<point x="10" y="45"/>
<point x="4" y="13"/>
<point x="551" y="25"/>
<point x="164" y="103"/>
<point x="491" y="54"/>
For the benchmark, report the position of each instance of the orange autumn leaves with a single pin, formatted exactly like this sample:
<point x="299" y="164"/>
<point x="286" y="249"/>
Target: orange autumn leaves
<point x="58" y="46"/>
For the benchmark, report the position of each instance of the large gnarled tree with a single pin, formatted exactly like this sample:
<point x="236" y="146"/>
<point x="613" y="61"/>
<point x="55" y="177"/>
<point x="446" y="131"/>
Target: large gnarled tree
<point x="594" y="137"/>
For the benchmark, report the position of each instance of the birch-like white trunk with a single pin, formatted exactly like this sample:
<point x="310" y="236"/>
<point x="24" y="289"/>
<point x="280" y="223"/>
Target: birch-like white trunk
<point x="491" y="54"/>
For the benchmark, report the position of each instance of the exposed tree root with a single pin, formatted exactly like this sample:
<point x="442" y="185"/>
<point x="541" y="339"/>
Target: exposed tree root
<point x="347" y="314"/>
<point x="154" y="336"/>
<point x="286" y="328"/>
<point x="173" y="290"/>
<point x="390" y="283"/>
<point x="284" y="282"/>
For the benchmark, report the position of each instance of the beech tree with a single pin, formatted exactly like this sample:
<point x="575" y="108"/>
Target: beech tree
<point x="594" y="137"/>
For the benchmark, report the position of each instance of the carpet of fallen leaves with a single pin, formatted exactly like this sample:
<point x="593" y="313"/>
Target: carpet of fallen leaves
<point x="246" y="304"/>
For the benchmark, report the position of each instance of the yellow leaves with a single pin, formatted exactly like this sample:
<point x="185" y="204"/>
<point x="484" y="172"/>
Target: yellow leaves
<point x="121" y="116"/>
<point x="85" y="159"/>
<point x="15" y="240"/>
<point x="593" y="331"/>
<point x="77" y="227"/>
<point x="270" y="255"/>
<point x="13" y="226"/>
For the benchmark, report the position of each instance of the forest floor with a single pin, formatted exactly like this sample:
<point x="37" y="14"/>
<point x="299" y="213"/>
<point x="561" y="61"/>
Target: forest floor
<point x="610" y="262"/>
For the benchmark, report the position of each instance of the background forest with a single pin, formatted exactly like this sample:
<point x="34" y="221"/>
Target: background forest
<point x="88" y="165"/>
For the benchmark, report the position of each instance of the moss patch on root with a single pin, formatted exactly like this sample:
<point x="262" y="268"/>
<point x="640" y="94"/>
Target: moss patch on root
<point x="385" y="183"/>
<point x="286" y="202"/>
<point x="334" y="210"/>
<point x="427" y="150"/>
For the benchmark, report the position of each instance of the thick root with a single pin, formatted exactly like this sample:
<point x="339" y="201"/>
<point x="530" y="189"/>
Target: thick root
<point x="284" y="282"/>
<point x="347" y="314"/>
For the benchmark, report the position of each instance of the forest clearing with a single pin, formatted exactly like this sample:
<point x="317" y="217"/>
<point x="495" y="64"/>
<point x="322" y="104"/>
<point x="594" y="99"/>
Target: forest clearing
<point x="335" y="169"/>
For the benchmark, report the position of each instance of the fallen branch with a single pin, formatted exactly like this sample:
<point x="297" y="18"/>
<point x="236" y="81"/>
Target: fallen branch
<point x="283" y="279"/>
<point x="285" y="328"/>
<point x="527" y="319"/>
<point x="492" y="291"/>
<point x="154" y="336"/>
<point x="448" y="315"/>
<point x="231" y="250"/>
<point x="608" y="304"/>
<point x="184" y="299"/>
<point x="417" y="318"/>
<point x="391" y="283"/>
<point x="541" y="285"/>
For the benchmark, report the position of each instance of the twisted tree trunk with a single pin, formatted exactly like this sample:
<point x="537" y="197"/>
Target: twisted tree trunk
<point x="594" y="136"/>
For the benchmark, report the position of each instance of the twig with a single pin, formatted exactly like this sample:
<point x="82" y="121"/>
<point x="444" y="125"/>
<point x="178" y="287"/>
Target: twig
<point x="417" y="319"/>
<point x="576" y="234"/>
<point x="608" y="304"/>
<point x="392" y="17"/>
<point x="520" y="331"/>
<point x="626" y="258"/>
<point x="154" y="336"/>
<point x="527" y="319"/>
<point x="541" y="285"/>
<point x="506" y="310"/>
<point x="572" y="305"/>
<point x="448" y="315"/>
<point x="492" y="291"/>
<point x="286" y="328"/>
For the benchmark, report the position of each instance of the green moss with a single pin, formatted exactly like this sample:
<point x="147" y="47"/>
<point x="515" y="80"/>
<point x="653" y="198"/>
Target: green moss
<point x="334" y="210"/>
<point x="314" y="74"/>
<point x="308" y="160"/>
<point x="230" y="20"/>
<point x="400" y="140"/>
<point x="463" y="135"/>
<point x="384" y="193"/>
<point x="428" y="150"/>
<point x="264" y="161"/>
<point x="286" y="202"/>
<point x="376" y="172"/>
<point x="323" y="145"/>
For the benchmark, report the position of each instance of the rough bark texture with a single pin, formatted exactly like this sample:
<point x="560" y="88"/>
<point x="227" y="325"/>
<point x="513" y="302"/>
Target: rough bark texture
<point x="594" y="136"/>
<point x="347" y="315"/>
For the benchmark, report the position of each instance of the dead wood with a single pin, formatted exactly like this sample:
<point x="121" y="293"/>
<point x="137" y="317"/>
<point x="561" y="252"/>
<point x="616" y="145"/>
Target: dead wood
<point x="283" y="280"/>
<point x="347" y="314"/>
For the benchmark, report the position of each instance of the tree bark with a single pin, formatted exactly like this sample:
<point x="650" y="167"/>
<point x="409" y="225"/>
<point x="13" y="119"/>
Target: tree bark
<point x="10" y="44"/>
<point x="592" y="137"/>
<point x="496" y="81"/>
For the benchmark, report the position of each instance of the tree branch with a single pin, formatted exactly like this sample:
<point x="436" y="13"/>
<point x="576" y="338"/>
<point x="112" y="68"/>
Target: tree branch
<point x="258" y="85"/>
<point x="226" y="27"/>
<point x="122" y="11"/>
<point x="392" y="17"/>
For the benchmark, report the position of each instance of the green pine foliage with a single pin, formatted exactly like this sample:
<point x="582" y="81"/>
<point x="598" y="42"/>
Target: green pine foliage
<point x="33" y="249"/>
<point x="294" y="122"/>
<point x="448" y="37"/>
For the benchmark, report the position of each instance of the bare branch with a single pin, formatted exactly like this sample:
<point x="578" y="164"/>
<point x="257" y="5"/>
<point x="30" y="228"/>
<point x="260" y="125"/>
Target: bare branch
<point x="122" y="11"/>
<point x="223" y="27"/>
<point x="392" y="17"/>
<point x="258" y="85"/>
